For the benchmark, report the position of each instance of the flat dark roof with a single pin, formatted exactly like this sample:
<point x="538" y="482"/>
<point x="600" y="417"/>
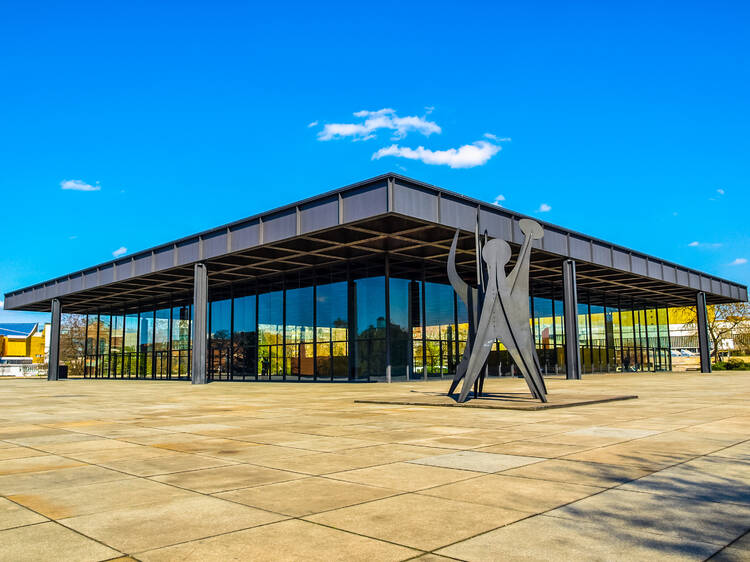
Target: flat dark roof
<point x="389" y="213"/>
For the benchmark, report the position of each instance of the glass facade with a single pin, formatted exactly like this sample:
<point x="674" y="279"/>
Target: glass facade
<point x="348" y="323"/>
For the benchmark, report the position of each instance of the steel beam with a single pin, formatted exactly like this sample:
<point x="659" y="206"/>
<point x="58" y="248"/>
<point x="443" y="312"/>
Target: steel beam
<point x="200" y="325"/>
<point x="570" y="308"/>
<point x="704" y="345"/>
<point x="54" y="344"/>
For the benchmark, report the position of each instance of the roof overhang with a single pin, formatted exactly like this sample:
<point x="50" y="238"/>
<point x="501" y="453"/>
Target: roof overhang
<point x="413" y="222"/>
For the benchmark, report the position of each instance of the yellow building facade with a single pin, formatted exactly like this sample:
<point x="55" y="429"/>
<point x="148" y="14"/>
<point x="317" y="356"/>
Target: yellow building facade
<point x="22" y="340"/>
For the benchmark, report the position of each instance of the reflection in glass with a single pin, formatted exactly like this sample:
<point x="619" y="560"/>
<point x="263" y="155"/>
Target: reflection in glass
<point x="245" y="338"/>
<point x="145" y="343"/>
<point x="130" y="347"/>
<point x="439" y="330"/>
<point x="370" y="327"/>
<point x="400" y="328"/>
<point x="180" y="362"/>
<point x="220" y="333"/>
<point x="161" y="342"/>
<point x="332" y="329"/>
<point x="299" y="332"/>
<point x="115" y="346"/>
<point x="270" y="334"/>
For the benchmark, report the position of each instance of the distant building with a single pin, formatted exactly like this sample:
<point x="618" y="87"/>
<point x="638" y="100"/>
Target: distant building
<point x="23" y="343"/>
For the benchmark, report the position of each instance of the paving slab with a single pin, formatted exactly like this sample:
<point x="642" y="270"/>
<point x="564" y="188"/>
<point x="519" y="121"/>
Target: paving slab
<point x="406" y="477"/>
<point x="509" y="492"/>
<point x="18" y="452"/>
<point x="154" y="525"/>
<point x="476" y="461"/>
<point x="543" y="538"/>
<point x="36" y="464"/>
<point x="579" y="472"/>
<point x="211" y="480"/>
<point x="14" y="515"/>
<point x="286" y="541"/>
<point x="50" y="541"/>
<point x="71" y="501"/>
<point x="307" y="496"/>
<point x="715" y="479"/>
<point x="533" y="448"/>
<point x="740" y="451"/>
<point x="418" y="521"/>
<point x="174" y="462"/>
<point x="632" y="453"/>
<point x="61" y="478"/>
<point x="690" y="519"/>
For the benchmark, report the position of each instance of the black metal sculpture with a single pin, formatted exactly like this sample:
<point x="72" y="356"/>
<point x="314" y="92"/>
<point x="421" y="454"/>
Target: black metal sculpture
<point x="498" y="309"/>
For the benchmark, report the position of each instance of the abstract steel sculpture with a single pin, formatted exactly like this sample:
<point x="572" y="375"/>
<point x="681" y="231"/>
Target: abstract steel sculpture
<point x="498" y="310"/>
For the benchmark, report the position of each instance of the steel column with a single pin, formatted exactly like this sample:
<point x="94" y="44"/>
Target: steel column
<point x="54" y="344"/>
<point x="200" y="328"/>
<point x="704" y="345"/>
<point x="570" y="308"/>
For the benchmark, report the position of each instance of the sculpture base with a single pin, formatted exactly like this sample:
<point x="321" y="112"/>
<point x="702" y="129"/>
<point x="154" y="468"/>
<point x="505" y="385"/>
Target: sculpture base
<point x="500" y="401"/>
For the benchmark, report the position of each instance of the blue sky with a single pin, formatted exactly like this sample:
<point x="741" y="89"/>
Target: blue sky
<point x="628" y="122"/>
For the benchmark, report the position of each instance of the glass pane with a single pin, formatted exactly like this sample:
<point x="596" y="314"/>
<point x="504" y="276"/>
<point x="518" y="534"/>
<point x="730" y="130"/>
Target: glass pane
<point x="439" y="330"/>
<point x="370" y="327"/>
<point x="628" y="340"/>
<point x="92" y="331"/>
<point x="116" y="346"/>
<point x="130" y="345"/>
<point x="103" y="345"/>
<point x="598" y="338"/>
<point x="613" y="338"/>
<point x="220" y="338"/>
<point x="332" y="330"/>
<point x="270" y="333"/>
<point x="544" y="331"/>
<point x="299" y="332"/>
<point x="161" y="343"/>
<point x="180" y="362"/>
<point x="145" y="343"/>
<point x="400" y="328"/>
<point x="245" y="337"/>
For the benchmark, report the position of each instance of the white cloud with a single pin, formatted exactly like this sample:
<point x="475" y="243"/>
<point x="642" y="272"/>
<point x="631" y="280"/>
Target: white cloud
<point x="313" y="124"/>
<point x="467" y="156"/>
<point x="496" y="138"/>
<point x="119" y="251"/>
<point x="429" y="109"/>
<point x="72" y="237"/>
<point x="544" y="208"/>
<point x="373" y="121"/>
<point x="78" y="185"/>
<point x="720" y="191"/>
<point x="694" y="244"/>
<point x="498" y="199"/>
<point x="2" y="304"/>
<point x="697" y="244"/>
<point x="739" y="261"/>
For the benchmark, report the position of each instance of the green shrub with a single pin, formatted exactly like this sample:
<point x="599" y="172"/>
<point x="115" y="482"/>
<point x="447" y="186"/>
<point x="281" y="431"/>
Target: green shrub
<point x="733" y="364"/>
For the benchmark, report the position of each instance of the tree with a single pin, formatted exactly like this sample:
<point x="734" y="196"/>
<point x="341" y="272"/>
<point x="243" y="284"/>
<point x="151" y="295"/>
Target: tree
<point x="724" y="321"/>
<point x="72" y="342"/>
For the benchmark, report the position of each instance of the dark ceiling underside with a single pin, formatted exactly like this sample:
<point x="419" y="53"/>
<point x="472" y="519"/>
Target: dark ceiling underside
<point x="412" y="245"/>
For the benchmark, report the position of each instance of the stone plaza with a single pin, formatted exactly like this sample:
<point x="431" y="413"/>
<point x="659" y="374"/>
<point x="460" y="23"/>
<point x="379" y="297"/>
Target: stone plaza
<point x="157" y="470"/>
